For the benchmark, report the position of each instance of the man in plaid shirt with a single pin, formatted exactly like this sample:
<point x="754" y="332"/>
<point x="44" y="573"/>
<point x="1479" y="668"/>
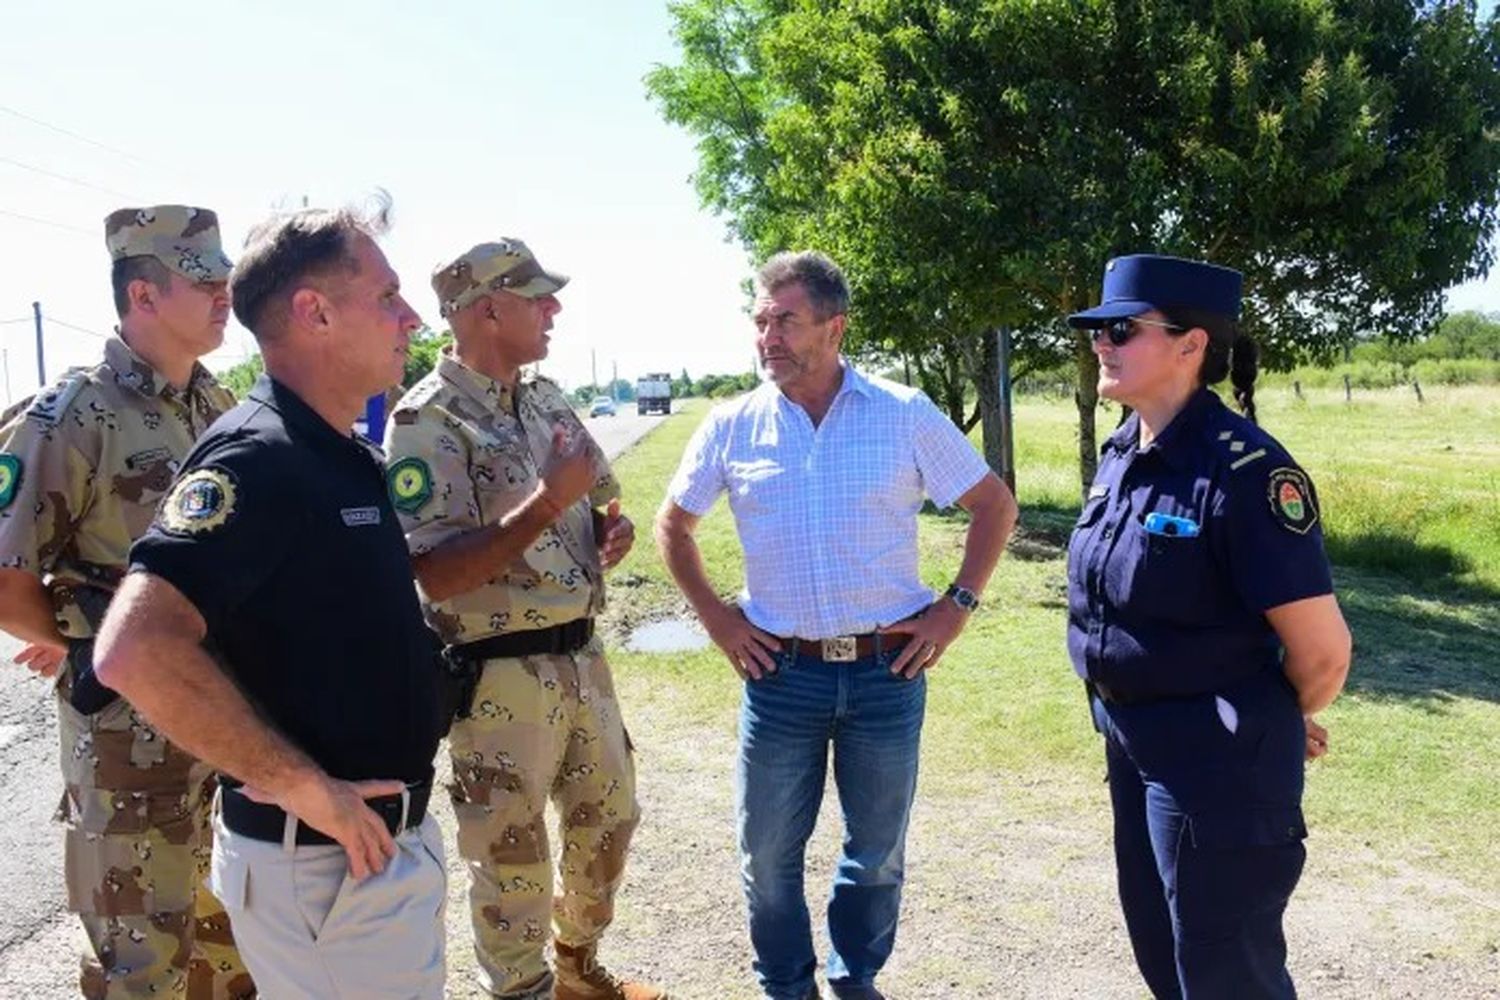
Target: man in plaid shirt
<point x="826" y="469"/>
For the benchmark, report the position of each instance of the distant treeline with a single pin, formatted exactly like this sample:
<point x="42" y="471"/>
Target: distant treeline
<point x="1465" y="350"/>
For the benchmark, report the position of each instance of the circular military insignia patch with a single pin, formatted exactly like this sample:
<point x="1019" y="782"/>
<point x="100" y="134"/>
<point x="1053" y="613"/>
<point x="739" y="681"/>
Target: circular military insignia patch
<point x="410" y="483"/>
<point x="1291" y="496"/>
<point x="200" y="501"/>
<point x="10" y="478"/>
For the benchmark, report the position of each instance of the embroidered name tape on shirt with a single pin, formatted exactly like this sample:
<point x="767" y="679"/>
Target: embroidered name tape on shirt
<point x="355" y="516"/>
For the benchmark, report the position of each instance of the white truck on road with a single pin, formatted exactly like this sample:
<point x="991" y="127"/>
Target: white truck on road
<point x="653" y="393"/>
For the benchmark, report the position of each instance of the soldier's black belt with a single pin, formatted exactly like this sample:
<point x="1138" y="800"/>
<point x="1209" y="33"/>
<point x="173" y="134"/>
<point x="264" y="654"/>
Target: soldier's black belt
<point x="263" y="821"/>
<point x="565" y="638"/>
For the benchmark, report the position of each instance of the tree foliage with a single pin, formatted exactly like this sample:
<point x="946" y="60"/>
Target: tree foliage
<point x="974" y="164"/>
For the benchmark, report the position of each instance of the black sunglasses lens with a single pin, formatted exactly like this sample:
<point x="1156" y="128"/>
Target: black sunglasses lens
<point x="1118" y="331"/>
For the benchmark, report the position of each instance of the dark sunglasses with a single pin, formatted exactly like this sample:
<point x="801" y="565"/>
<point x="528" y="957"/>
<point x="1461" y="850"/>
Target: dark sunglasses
<point x="1119" y="331"/>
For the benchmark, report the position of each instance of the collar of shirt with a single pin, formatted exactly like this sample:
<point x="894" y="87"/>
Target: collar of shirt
<point x="294" y="412"/>
<point x="1178" y="444"/>
<point x="492" y="394"/>
<point x="853" y="381"/>
<point x="136" y="373"/>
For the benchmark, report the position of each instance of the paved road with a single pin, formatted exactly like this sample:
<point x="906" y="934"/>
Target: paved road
<point x="39" y="939"/>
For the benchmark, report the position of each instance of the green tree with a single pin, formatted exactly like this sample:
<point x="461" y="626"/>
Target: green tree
<point x="242" y="376"/>
<point x="422" y="354"/>
<point x="973" y="165"/>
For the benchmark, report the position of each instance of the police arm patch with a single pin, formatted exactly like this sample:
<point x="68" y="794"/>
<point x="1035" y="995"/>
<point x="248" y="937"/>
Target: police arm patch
<point x="1290" y="493"/>
<point x="10" y="478"/>
<point x="410" y="484"/>
<point x="201" y="501"/>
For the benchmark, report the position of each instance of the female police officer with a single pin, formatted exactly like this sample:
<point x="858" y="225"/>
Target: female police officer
<point x="1202" y="618"/>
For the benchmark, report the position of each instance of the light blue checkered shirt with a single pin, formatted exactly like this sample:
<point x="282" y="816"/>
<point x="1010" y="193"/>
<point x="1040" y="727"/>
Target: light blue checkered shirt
<point x="827" y="515"/>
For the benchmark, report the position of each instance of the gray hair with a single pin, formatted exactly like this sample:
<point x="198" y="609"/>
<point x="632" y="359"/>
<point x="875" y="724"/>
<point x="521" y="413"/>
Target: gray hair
<point x="819" y="277"/>
<point x="284" y="252"/>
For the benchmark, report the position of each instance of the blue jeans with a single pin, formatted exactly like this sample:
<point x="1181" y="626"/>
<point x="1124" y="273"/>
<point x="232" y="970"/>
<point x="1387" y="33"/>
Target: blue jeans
<point x="788" y="719"/>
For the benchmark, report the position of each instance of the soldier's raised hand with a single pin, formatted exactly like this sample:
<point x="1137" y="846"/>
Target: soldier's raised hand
<point x="569" y="471"/>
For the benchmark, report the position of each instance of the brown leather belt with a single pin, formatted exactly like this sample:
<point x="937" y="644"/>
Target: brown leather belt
<point x="844" y="648"/>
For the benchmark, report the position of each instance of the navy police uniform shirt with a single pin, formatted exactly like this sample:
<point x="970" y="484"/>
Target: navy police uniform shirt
<point x="280" y="532"/>
<point x="1181" y="548"/>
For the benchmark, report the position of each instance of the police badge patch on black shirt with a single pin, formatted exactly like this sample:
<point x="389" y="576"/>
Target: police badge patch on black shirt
<point x="1290" y="493"/>
<point x="202" y="500"/>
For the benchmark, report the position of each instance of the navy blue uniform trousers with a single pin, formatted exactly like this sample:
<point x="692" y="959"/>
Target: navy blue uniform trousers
<point x="1208" y="835"/>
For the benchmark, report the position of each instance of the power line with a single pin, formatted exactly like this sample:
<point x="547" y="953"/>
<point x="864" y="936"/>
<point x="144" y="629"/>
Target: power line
<point x="81" y="138"/>
<point x="46" y="222"/>
<point x="64" y="177"/>
<point x="49" y="318"/>
<point x="18" y="319"/>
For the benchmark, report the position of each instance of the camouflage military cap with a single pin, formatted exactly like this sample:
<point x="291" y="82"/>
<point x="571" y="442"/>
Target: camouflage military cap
<point x="489" y="267"/>
<point x="183" y="238"/>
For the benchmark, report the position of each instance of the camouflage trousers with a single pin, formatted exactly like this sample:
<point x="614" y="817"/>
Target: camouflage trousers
<point x="136" y="853"/>
<point x="543" y="727"/>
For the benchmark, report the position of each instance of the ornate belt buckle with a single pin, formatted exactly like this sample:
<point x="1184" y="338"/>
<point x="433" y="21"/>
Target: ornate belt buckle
<point x="839" y="649"/>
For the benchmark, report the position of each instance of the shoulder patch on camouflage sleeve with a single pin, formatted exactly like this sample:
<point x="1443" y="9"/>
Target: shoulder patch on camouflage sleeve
<point x="51" y="403"/>
<point x="410" y="484"/>
<point x="10" y="478"/>
<point x="409" y="406"/>
<point x="1290" y="493"/>
<point x="201" y="501"/>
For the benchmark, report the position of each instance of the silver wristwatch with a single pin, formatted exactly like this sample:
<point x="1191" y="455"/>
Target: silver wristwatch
<point x="965" y="598"/>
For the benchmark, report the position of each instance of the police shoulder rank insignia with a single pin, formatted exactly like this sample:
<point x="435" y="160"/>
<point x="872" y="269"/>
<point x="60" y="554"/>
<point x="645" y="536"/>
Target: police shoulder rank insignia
<point x="410" y="483"/>
<point x="201" y="501"/>
<point x="10" y="478"/>
<point x="1290" y="493"/>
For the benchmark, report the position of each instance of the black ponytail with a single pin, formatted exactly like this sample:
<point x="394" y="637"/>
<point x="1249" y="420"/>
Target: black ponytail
<point x="1244" y="362"/>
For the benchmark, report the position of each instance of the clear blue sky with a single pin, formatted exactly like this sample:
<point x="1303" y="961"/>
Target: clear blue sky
<point x="483" y="119"/>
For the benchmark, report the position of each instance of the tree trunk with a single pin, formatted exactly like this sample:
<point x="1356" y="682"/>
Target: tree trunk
<point x="1086" y="395"/>
<point x="993" y="414"/>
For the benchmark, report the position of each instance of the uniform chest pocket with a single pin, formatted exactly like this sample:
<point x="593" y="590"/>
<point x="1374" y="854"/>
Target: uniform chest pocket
<point x="1093" y="510"/>
<point x="1175" y="578"/>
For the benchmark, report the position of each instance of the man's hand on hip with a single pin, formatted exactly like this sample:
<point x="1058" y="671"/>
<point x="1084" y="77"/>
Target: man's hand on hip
<point x="930" y="632"/>
<point x="41" y="658"/>
<point x="747" y="648"/>
<point x="337" y="808"/>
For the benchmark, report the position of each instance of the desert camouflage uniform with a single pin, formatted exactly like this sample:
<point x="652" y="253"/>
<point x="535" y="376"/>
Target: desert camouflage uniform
<point x="463" y="451"/>
<point x="82" y="467"/>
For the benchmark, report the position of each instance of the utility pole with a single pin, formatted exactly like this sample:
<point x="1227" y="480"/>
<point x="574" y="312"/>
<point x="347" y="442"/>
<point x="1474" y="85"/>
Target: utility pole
<point x="41" y="365"/>
<point x="594" y="369"/>
<point x="1007" y="415"/>
<point x="613" y="388"/>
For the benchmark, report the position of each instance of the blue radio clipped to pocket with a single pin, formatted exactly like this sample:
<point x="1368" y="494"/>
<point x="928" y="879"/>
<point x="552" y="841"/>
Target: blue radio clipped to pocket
<point x="1171" y="526"/>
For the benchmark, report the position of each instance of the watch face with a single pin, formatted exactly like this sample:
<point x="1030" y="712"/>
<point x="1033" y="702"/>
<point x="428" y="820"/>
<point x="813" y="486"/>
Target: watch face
<point x="963" y="597"/>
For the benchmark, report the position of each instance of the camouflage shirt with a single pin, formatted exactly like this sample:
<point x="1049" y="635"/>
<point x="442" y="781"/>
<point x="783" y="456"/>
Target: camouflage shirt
<point x="462" y="451"/>
<point x="83" y="464"/>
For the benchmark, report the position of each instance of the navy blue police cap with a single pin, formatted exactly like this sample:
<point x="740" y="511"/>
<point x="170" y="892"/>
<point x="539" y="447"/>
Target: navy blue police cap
<point x="1143" y="281"/>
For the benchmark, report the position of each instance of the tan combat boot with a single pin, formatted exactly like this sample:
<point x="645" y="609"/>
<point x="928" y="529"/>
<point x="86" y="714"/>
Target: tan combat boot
<point x="581" y="977"/>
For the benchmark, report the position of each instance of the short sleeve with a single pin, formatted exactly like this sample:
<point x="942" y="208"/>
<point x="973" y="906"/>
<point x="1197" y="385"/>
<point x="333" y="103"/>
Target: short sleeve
<point x="227" y="524"/>
<point x="949" y="464"/>
<point x="427" y="474"/>
<point x="1275" y="534"/>
<point x="700" y="474"/>
<point x="46" y="488"/>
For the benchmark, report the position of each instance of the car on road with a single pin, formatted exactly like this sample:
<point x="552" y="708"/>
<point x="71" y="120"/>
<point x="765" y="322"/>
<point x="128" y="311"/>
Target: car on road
<point x="602" y="406"/>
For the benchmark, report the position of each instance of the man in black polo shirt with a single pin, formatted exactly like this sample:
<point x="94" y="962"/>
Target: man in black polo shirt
<point x="278" y="549"/>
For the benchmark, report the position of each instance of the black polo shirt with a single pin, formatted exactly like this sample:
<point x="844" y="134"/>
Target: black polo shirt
<point x="280" y="531"/>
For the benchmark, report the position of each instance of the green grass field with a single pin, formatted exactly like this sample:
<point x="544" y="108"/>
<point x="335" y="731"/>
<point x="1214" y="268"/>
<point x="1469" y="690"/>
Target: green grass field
<point x="1411" y="502"/>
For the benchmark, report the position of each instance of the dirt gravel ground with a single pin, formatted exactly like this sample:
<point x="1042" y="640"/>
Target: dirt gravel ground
<point x="998" y="904"/>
